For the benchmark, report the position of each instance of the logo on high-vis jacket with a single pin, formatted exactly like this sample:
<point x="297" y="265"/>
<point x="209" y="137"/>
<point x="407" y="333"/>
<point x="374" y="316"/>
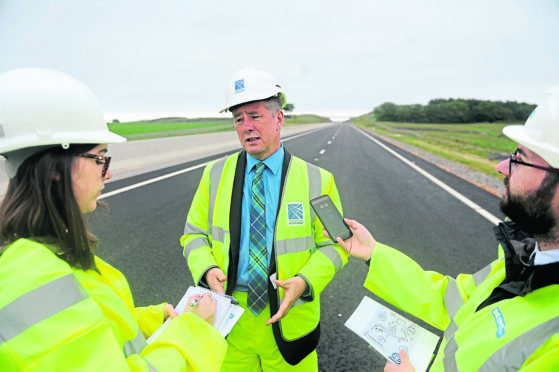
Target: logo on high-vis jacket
<point x="295" y="214"/>
<point x="239" y="85"/>
<point x="499" y="322"/>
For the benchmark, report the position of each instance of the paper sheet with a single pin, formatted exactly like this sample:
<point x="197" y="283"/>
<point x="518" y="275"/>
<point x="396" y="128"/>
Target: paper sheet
<point x="388" y="332"/>
<point x="226" y="315"/>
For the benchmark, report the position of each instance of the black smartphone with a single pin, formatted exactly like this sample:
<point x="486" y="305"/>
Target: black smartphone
<point x="330" y="217"/>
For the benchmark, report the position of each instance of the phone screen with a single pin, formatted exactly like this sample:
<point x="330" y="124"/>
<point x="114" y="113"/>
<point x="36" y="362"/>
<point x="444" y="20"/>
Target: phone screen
<point x="330" y="217"/>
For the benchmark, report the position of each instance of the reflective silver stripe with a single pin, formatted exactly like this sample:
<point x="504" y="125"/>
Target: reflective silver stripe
<point x="215" y="177"/>
<point x="324" y="243"/>
<point x="135" y="346"/>
<point x="315" y="185"/>
<point x="481" y="275"/>
<point x="511" y="356"/>
<point x="452" y="328"/>
<point x="294" y="245"/>
<point x="452" y="298"/>
<point x="201" y="241"/>
<point x="514" y="354"/>
<point x="193" y="229"/>
<point x="218" y="234"/>
<point x="37" y="305"/>
<point x="333" y="255"/>
<point x="302" y="244"/>
<point x="449" y="360"/>
<point x="315" y="182"/>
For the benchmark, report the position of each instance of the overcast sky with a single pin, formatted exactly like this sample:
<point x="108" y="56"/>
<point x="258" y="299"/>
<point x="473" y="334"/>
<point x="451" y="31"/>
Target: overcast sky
<point x="146" y="59"/>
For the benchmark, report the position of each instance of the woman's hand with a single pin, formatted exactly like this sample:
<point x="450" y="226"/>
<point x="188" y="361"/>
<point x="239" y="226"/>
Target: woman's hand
<point x="169" y="312"/>
<point x="361" y="244"/>
<point x="204" y="306"/>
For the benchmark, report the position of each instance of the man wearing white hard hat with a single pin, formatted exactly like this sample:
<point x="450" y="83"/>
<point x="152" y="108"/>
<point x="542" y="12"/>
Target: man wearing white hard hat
<point x="62" y="308"/>
<point x="506" y="316"/>
<point x="250" y="233"/>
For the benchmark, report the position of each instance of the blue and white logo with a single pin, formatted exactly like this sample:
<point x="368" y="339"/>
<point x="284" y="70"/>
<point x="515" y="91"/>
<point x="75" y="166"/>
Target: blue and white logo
<point x="295" y="214"/>
<point x="499" y="322"/>
<point x="239" y="85"/>
<point x="532" y="114"/>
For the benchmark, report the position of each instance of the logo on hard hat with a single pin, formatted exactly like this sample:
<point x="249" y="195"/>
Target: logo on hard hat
<point x="532" y="114"/>
<point x="239" y="86"/>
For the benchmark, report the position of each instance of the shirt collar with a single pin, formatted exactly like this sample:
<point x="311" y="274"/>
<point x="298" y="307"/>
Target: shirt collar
<point x="545" y="257"/>
<point x="273" y="162"/>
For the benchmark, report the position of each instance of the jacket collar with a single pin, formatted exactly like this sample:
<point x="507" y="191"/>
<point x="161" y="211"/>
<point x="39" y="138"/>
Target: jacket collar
<point x="522" y="277"/>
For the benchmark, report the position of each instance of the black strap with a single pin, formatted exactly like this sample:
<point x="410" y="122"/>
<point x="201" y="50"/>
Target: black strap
<point x="235" y="222"/>
<point x="292" y="351"/>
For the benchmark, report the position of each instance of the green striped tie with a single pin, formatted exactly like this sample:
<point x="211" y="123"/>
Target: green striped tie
<point x="258" y="267"/>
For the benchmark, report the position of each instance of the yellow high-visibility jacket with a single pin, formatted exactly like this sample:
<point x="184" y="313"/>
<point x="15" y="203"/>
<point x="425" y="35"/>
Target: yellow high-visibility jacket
<point x="54" y="317"/>
<point x="212" y="239"/>
<point x="503" y="318"/>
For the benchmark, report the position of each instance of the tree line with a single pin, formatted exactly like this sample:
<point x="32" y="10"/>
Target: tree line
<point x="455" y="111"/>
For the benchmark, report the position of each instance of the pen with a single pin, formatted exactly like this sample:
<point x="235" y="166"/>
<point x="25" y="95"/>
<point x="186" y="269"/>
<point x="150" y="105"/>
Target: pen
<point x="194" y="302"/>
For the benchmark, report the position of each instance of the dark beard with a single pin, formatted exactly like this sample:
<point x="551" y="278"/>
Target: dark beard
<point x="533" y="213"/>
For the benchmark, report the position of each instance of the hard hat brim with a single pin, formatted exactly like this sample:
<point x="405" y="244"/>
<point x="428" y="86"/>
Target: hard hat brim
<point x="521" y="134"/>
<point x="243" y="100"/>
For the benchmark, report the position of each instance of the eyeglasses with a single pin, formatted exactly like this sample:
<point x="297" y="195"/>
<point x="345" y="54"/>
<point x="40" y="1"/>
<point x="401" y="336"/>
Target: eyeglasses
<point x="99" y="159"/>
<point x="513" y="160"/>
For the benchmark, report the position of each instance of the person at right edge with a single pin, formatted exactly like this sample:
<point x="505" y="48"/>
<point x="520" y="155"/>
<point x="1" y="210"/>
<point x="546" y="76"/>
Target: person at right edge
<point x="505" y="317"/>
<point x="250" y="232"/>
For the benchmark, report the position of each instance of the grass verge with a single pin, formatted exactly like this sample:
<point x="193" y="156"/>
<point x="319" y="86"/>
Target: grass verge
<point x="170" y="127"/>
<point x="478" y="146"/>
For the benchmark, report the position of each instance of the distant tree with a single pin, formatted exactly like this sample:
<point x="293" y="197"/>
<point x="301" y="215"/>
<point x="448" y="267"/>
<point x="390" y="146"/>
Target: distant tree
<point x="289" y="107"/>
<point x="491" y="112"/>
<point x="115" y="121"/>
<point x="450" y="110"/>
<point x="388" y="111"/>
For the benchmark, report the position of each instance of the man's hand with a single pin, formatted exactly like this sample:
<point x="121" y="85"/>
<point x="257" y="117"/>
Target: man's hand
<point x="293" y="289"/>
<point x="216" y="280"/>
<point x="404" y="366"/>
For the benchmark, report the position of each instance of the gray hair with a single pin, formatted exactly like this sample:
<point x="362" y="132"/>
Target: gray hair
<point x="273" y="104"/>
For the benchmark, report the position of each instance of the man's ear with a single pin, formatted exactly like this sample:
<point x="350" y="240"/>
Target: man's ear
<point x="280" y="117"/>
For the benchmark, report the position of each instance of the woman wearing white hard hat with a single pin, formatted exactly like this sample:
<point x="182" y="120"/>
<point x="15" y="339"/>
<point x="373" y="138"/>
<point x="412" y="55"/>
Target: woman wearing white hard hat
<point x="61" y="307"/>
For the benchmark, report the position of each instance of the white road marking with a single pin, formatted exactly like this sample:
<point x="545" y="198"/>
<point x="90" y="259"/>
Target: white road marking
<point x="490" y="217"/>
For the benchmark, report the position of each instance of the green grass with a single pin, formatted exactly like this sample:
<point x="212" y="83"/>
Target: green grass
<point x="477" y="146"/>
<point x="169" y="127"/>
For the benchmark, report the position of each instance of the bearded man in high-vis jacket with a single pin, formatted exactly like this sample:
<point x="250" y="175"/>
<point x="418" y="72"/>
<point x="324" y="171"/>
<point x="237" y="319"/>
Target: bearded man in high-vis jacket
<point x="506" y="316"/>
<point x="250" y="233"/>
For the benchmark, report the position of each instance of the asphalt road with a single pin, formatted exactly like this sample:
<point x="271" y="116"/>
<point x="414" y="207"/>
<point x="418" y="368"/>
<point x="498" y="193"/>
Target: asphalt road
<point x="402" y="207"/>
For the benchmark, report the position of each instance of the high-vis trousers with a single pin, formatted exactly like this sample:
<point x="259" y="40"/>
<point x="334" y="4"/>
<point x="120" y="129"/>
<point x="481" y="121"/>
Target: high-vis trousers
<point x="252" y="347"/>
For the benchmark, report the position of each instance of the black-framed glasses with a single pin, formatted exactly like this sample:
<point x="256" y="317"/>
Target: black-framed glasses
<point x="513" y="160"/>
<point x="99" y="159"/>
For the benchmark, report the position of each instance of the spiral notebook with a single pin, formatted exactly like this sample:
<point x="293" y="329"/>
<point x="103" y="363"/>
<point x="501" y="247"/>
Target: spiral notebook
<point x="227" y="314"/>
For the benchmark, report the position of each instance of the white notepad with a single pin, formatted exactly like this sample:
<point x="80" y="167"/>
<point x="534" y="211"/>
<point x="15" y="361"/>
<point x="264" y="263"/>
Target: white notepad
<point x="228" y="311"/>
<point x="389" y="332"/>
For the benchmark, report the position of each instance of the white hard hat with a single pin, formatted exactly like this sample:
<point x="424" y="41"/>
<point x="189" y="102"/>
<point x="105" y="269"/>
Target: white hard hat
<point x="540" y="133"/>
<point x="41" y="108"/>
<point x="249" y="85"/>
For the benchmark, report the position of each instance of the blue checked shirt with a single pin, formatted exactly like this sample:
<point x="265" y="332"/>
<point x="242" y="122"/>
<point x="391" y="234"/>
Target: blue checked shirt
<point x="272" y="178"/>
